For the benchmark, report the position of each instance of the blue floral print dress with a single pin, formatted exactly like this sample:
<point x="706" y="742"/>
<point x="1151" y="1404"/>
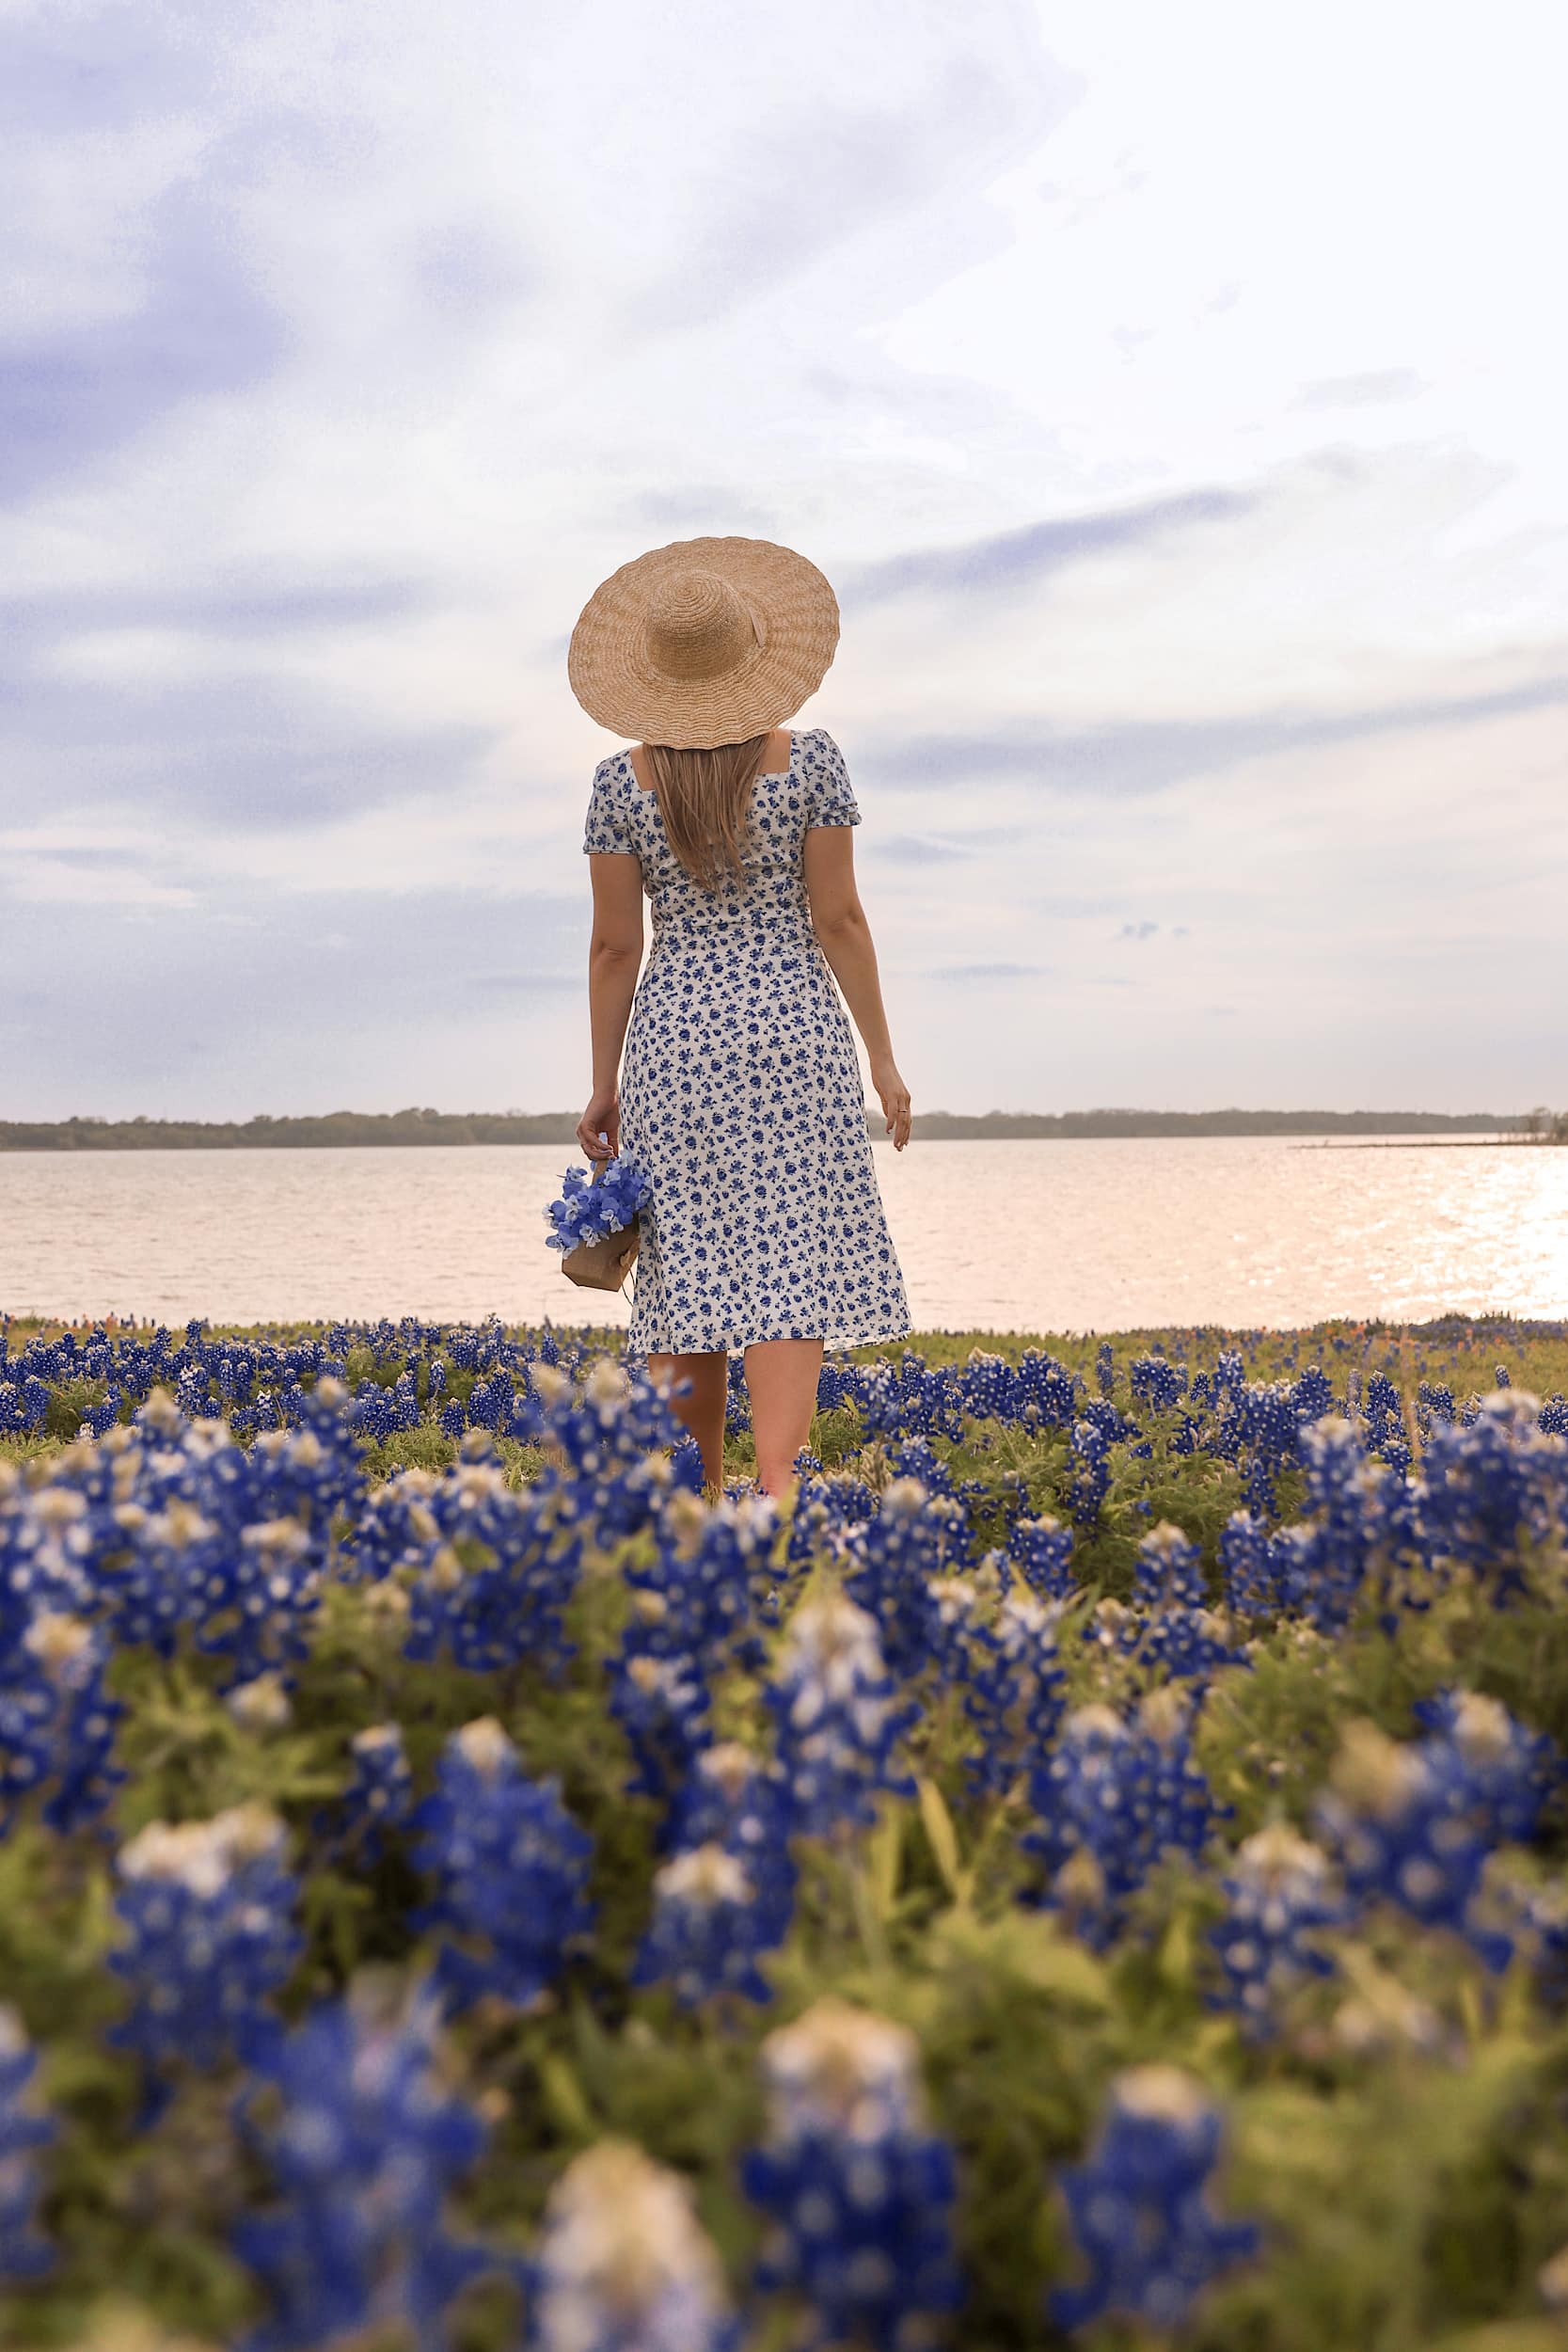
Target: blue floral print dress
<point x="740" y="1090"/>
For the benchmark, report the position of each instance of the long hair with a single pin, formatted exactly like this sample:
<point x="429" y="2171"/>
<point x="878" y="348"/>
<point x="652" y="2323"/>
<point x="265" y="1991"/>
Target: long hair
<point x="704" y="798"/>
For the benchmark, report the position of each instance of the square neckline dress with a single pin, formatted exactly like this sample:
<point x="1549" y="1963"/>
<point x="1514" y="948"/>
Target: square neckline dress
<point x="740" y="1088"/>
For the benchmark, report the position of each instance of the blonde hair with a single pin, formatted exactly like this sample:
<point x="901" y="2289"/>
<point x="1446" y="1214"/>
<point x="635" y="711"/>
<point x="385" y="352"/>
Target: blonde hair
<point x="704" y="798"/>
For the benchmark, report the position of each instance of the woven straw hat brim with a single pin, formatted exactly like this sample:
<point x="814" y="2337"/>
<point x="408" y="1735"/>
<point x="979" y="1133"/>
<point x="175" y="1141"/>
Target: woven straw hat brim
<point x="618" y="685"/>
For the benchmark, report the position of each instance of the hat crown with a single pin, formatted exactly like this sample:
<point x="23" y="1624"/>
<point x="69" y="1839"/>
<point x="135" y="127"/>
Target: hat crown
<point x="698" y="626"/>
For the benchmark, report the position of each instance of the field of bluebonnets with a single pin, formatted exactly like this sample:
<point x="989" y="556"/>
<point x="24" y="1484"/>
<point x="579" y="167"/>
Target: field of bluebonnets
<point x="1094" y="1873"/>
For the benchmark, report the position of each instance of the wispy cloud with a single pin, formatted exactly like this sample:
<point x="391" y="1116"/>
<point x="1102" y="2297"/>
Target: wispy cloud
<point x="1011" y="560"/>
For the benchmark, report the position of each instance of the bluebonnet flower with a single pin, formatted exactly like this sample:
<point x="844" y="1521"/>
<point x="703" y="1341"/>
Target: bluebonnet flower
<point x="1493" y="1773"/>
<point x="1169" y="1570"/>
<point x="662" y="1705"/>
<point x="56" y="1722"/>
<point x="1105" y="1368"/>
<point x="1015" y="1698"/>
<point x="495" y="1566"/>
<point x="1388" y="1819"/>
<point x="890" y="1562"/>
<point x="511" y="1866"/>
<point x="1494" y="1490"/>
<point x="826" y="1510"/>
<point x="380" y="1794"/>
<point x="366" y="2144"/>
<point x="24" y="2253"/>
<point x="1113" y="1798"/>
<point x="860" y="2193"/>
<point x="1139" y="2207"/>
<point x="707" y="1929"/>
<point x="587" y="1211"/>
<point x="733" y="1800"/>
<point x="1091" y="1470"/>
<point x="838" y="1717"/>
<point x="1280" y="1901"/>
<point x="1041" y="1550"/>
<point x="613" y="1427"/>
<point x="712" y="1560"/>
<point x="624" y="2264"/>
<point x="1155" y="1383"/>
<point x="207" y="1910"/>
<point x="1181" y="1637"/>
<point x="691" y="1615"/>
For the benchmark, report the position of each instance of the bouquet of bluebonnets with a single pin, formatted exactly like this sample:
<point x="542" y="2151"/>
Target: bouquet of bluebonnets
<point x="595" y="1222"/>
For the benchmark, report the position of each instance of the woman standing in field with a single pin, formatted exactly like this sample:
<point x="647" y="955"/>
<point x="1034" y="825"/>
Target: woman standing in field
<point x="740" y="1094"/>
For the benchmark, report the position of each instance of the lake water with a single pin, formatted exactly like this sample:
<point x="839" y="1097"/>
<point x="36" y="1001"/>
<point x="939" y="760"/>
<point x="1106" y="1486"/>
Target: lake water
<point x="1006" y="1236"/>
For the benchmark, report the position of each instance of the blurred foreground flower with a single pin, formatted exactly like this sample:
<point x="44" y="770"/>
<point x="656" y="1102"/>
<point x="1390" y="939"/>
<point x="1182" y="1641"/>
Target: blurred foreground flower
<point x="365" y="2145"/>
<point x="22" y="2252"/>
<point x="511" y="1864"/>
<point x="625" y="2265"/>
<point x="208" y="1908"/>
<point x="1138" y="2207"/>
<point x="860" y="2195"/>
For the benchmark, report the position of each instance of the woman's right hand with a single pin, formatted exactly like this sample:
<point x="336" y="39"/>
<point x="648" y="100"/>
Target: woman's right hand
<point x="600" y="1128"/>
<point x="894" y="1095"/>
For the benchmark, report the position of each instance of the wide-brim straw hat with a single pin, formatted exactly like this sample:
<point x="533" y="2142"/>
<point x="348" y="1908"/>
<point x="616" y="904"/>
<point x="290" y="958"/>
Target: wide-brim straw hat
<point x="703" y="642"/>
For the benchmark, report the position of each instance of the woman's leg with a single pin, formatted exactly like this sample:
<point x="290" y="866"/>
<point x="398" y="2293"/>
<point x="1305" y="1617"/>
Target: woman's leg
<point x="702" y="1409"/>
<point x="780" y="1379"/>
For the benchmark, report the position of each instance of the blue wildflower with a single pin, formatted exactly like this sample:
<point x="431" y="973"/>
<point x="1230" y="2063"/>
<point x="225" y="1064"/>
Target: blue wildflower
<point x="1113" y="1799"/>
<point x="511" y="1866"/>
<point x="624" y="2265"/>
<point x="589" y="1209"/>
<point x="889" y="1565"/>
<point x="1138" y="2207"/>
<point x="24" y="2253"/>
<point x="859" y="2194"/>
<point x="1041" y="1550"/>
<point x="1280" y="1901"/>
<point x="708" y="1929"/>
<point x="206" y="1909"/>
<point x="838" y="1719"/>
<point x="366" y="2145"/>
<point x="1015" y="1698"/>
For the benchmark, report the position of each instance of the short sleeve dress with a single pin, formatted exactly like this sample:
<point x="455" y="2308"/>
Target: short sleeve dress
<point x="741" y="1090"/>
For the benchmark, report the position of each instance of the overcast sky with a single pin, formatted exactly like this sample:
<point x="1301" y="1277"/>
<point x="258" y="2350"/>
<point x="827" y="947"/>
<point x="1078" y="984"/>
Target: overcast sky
<point x="1173" y="396"/>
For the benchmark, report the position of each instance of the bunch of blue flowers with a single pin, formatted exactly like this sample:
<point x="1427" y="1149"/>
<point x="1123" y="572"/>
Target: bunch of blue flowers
<point x="589" y="1211"/>
<point x="1494" y="1490"/>
<point x="839" y="1720"/>
<point x="511" y="1866"/>
<point x="1041" y="1550"/>
<point x="889" y="1564"/>
<point x="624" y="2265"/>
<point x="366" y="2144"/>
<point x="56" y="1722"/>
<point x="1016" y="1695"/>
<point x="708" y="1929"/>
<point x="492" y="1568"/>
<point x="860" y="2193"/>
<point x="1181" y="1636"/>
<point x="208" y="1913"/>
<point x="1113" y="1798"/>
<point x="24" y="2253"/>
<point x="1279" y="1902"/>
<point x="1139" y="2208"/>
<point x="380" y="1794"/>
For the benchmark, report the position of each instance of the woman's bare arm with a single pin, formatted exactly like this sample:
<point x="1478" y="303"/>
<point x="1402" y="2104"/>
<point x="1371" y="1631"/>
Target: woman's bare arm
<point x="839" y="921"/>
<point x="615" y="960"/>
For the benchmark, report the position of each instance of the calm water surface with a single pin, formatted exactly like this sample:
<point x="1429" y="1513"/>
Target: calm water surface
<point x="1091" y="1236"/>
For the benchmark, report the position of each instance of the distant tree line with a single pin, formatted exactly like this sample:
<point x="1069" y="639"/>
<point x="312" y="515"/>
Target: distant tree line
<point x="369" y="1128"/>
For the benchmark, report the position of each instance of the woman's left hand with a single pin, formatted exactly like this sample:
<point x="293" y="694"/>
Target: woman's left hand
<point x="600" y="1128"/>
<point x="895" y="1098"/>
